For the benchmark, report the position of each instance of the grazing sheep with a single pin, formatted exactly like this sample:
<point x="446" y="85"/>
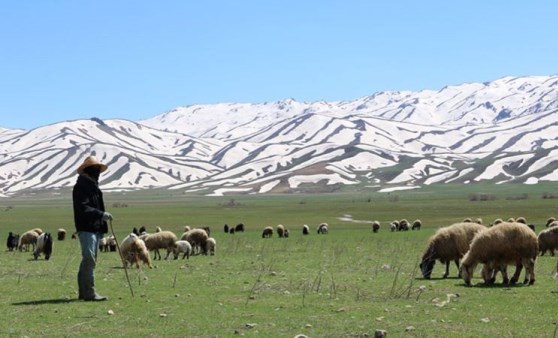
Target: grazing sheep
<point x="323" y="229"/>
<point x="478" y="220"/>
<point x="133" y="250"/>
<point x="416" y="224"/>
<point x="521" y="220"/>
<point x="231" y="231"/>
<point x="211" y="246"/>
<point x="135" y="231"/>
<point x="39" y="231"/>
<point x="393" y="226"/>
<point x="182" y="246"/>
<point x="103" y="247"/>
<point x="504" y="244"/>
<point x="549" y="221"/>
<point x="548" y="240"/>
<point x="226" y="228"/>
<point x="111" y="244"/>
<point x="12" y="241"/>
<point x="44" y="245"/>
<point x="61" y="234"/>
<point x="280" y="230"/>
<point x="239" y="227"/>
<point x="267" y="232"/>
<point x="403" y="225"/>
<point x="160" y="240"/>
<point x="497" y="221"/>
<point x="468" y="220"/>
<point x="28" y="238"/>
<point x="396" y="224"/>
<point x="448" y="244"/>
<point x="375" y="226"/>
<point x="552" y="224"/>
<point x="305" y="229"/>
<point x="511" y="220"/>
<point x="531" y="226"/>
<point x="197" y="239"/>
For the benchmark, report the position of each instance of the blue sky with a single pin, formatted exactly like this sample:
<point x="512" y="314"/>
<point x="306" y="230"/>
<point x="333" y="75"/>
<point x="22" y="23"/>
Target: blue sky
<point x="67" y="60"/>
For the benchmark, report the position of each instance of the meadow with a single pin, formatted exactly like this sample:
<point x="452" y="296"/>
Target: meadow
<point x="347" y="283"/>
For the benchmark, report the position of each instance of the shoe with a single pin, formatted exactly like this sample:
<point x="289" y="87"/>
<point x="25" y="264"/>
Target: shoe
<point x="95" y="298"/>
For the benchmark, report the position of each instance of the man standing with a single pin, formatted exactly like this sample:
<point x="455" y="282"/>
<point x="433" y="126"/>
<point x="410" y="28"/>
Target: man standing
<point x="90" y="219"/>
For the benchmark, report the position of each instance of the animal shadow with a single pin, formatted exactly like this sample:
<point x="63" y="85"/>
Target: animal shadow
<point x="47" y="301"/>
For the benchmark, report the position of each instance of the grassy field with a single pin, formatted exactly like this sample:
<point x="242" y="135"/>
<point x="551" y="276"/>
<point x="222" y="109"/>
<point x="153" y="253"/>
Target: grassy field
<point x="345" y="284"/>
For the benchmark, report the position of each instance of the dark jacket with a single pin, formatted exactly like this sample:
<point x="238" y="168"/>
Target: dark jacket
<point x="89" y="206"/>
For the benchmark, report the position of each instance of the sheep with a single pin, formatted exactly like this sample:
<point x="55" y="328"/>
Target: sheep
<point x="28" y="238"/>
<point x="548" y="240"/>
<point x="39" y="231"/>
<point x="521" y="220"/>
<point x="478" y="220"/>
<point x="187" y="228"/>
<point x="239" y="227"/>
<point x="158" y="229"/>
<point x="552" y="224"/>
<point x="197" y="239"/>
<point x="549" y="221"/>
<point x="448" y="244"/>
<point x="211" y="246"/>
<point x="12" y="241"/>
<point x="280" y="230"/>
<point x="506" y="243"/>
<point x="160" y="240"/>
<point x="497" y="221"/>
<point x="323" y="229"/>
<point x="393" y="226"/>
<point x="305" y="229"/>
<point x="226" y="228"/>
<point x="133" y="250"/>
<point x="416" y="224"/>
<point x="403" y="225"/>
<point x="61" y="234"/>
<point x="135" y="231"/>
<point x="111" y="244"/>
<point x="267" y="232"/>
<point x="103" y="247"/>
<point x="375" y="226"/>
<point x="44" y="245"/>
<point x="182" y="246"/>
<point x="231" y="231"/>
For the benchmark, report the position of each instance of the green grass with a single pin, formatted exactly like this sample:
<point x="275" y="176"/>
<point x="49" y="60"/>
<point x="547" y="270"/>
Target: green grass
<point x="345" y="284"/>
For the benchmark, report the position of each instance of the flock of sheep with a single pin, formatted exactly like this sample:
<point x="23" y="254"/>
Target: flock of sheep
<point x="469" y="244"/>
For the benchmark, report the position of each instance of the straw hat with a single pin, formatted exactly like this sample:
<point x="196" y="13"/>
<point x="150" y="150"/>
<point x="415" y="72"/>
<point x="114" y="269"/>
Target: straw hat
<point x="91" y="161"/>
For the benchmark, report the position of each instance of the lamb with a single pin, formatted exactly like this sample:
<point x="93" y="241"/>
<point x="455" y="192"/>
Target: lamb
<point x="267" y="232"/>
<point x="197" y="239"/>
<point x="133" y="250"/>
<point x="28" y="238"/>
<point x="305" y="229"/>
<point x="239" y="227"/>
<point x="548" y="240"/>
<point x="211" y="246"/>
<point x="416" y="224"/>
<point x="61" y="234"/>
<point x="375" y="226"/>
<point x="44" y="245"/>
<point x="160" y="240"/>
<point x="507" y="243"/>
<point x="182" y="246"/>
<point x="448" y="244"/>
<point x="323" y="229"/>
<point x="280" y="230"/>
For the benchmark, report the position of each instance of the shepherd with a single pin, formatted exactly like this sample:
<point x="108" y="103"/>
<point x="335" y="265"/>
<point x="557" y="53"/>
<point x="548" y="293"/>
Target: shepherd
<point x="90" y="220"/>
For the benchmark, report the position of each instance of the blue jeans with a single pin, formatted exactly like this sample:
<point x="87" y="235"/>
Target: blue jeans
<point x="89" y="242"/>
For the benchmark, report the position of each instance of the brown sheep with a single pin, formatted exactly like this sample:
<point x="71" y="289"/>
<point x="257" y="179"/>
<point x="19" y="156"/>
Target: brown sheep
<point x="133" y="251"/>
<point x="197" y="239"/>
<point x="448" y="244"/>
<point x="160" y="240"/>
<point x="504" y="244"/>
<point x="28" y="238"/>
<point x="548" y="240"/>
<point x="280" y="230"/>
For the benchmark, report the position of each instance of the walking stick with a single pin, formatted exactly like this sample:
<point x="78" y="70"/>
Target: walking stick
<point x="122" y="258"/>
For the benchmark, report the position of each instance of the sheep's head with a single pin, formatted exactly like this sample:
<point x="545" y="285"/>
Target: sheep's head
<point x="427" y="264"/>
<point x="466" y="273"/>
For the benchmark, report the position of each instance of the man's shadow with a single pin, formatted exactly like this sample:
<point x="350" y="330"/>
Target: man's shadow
<point x="47" y="301"/>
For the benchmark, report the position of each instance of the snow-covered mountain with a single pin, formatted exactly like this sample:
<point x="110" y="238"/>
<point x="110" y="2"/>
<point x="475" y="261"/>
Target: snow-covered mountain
<point x="503" y="131"/>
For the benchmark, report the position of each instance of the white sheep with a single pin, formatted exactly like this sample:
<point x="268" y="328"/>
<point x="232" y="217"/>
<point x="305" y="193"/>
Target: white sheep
<point x="182" y="246"/>
<point x="323" y="228"/>
<point x="133" y="250"/>
<point x="280" y="230"/>
<point x="28" y="238"/>
<point x="305" y="229"/>
<point x="160" y="240"/>
<point x="448" y="244"/>
<point x="503" y="244"/>
<point x="211" y="246"/>
<point x="375" y="226"/>
<point x="548" y="240"/>
<point x="61" y="234"/>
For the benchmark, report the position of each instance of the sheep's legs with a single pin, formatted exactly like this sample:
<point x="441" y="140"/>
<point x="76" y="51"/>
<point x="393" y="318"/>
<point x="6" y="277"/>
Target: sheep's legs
<point x="518" y="268"/>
